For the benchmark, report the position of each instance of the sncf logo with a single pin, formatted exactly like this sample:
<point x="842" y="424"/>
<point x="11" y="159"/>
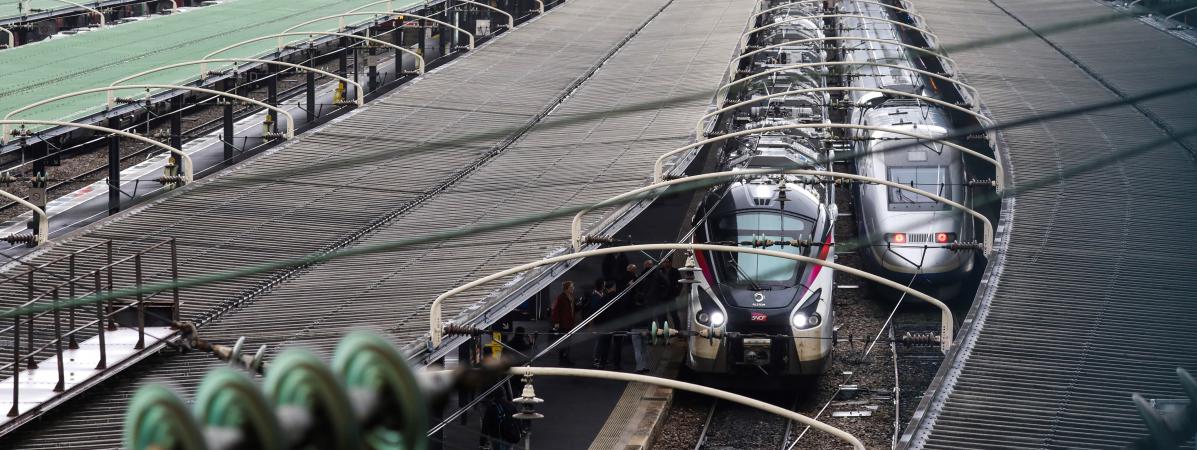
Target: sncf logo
<point x="759" y="317"/>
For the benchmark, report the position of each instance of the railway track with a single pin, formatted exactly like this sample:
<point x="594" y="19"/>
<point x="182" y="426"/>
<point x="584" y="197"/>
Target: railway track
<point x="81" y="167"/>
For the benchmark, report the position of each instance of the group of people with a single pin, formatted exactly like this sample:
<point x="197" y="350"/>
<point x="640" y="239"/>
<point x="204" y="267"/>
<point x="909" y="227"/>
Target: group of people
<point x="627" y="298"/>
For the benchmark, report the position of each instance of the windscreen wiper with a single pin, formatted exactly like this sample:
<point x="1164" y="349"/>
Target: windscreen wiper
<point x="752" y="284"/>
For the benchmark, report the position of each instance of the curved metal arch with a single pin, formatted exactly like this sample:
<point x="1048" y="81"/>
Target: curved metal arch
<point x="976" y="94"/>
<point x="659" y="165"/>
<point x="184" y="159"/>
<point x="510" y="18"/>
<point x="529" y="371"/>
<point x="951" y="61"/>
<point x="1179" y="13"/>
<point x="436" y="325"/>
<point x="341" y="19"/>
<point x="111" y="101"/>
<point x="837" y="16"/>
<point x="361" y="96"/>
<point x="895" y="8"/>
<point x="783" y="5"/>
<point x="786" y="5"/>
<point x="93" y="10"/>
<point x="447" y="24"/>
<point x="698" y="126"/>
<point x="280" y="36"/>
<point x="576" y="236"/>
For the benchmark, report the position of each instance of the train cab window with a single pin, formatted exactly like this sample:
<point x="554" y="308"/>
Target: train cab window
<point x="743" y="268"/>
<point x="928" y="178"/>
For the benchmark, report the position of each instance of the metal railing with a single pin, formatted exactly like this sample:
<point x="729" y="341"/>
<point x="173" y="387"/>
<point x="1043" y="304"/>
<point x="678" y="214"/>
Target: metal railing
<point x="100" y="280"/>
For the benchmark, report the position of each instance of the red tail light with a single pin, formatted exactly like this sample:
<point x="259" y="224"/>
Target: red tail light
<point x="944" y="238"/>
<point x="896" y="238"/>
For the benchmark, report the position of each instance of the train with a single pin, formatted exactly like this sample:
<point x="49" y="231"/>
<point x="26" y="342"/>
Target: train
<point x="908" y="235"/>
<point x="760" y="314"/>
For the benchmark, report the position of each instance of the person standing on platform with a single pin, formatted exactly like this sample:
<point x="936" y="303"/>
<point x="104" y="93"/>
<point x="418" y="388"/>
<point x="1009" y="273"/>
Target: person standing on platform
<point x="563" y="317"/>
<point x="674" y="284"/>
<point x="642" y="315"/>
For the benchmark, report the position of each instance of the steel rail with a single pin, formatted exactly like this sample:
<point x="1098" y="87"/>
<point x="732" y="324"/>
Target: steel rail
<point x="361" y="96"/>
<point x="529" y="371"/>
<point x="112" y="101"/>
<point x="698" y="126"/>
<point x="436" y="324"/>
<point x="975" y="93"/>
<point x="849" y="38"/>
<point x="184" y="159"/>
<point x="576" y="237"/>
<point x="838" y="16"/>
<point x="659" y="165"/>
<point x="280" y="36"/>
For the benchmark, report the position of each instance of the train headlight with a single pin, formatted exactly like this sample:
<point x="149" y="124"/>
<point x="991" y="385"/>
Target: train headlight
<point x="704" y="318"/>
<point x="807" y="316"/>
<point x="717" y="319"/>
<point x="803" y="321"/>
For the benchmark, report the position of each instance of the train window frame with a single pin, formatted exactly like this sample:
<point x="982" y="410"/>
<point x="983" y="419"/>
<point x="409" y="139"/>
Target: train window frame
<point x="729" y="275"/>
<point x="901" y="200"/>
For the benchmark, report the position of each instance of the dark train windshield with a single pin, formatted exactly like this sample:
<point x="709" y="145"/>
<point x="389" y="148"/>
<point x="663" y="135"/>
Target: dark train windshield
<point x="743" y="268"/>
<point x="932" y="179"/>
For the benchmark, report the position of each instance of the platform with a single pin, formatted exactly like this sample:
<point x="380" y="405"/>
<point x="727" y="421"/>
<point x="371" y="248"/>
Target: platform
<point x="99" y="57"/>
<point x="570" y="108"/>
<point x="1095" y="295"/>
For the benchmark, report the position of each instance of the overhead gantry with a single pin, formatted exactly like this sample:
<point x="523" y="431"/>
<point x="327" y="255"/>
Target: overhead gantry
<point x="112" y="101"/>
<point x="659" y="165"/>
<point x="437" y="324"/>
<point x="578" y="240"/>
<point x="42" y="232"/>
<point x="361" y="98"/>
<point x="281" y="44"/>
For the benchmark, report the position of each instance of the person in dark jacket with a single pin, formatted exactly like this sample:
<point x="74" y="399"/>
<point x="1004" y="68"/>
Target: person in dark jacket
<point x="564" y="317"/>
<point x="672" y="304"/>
<point x="602" y="341"/>
<point x="613" y="266"/>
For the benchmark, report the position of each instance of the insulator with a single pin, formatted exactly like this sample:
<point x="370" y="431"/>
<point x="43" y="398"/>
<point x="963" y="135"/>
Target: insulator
<point x="982" y="182"/>
<point x="272" y="135"/>
<point x="963" y="246"/>
<point x="454" y="329"/>
<point x="127" y="101"/>
<point x="920" y="338"/>
<point x="8" y="178"/>
<point x="597" y="239"/>
<point x="170" y="179"/>
<point x="20" y="238"/>
<point x="976" y="137"/>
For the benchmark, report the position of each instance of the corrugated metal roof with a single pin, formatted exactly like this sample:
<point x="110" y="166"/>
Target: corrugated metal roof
<point x="660" y="82"/>
<point x="1094" y="300"/>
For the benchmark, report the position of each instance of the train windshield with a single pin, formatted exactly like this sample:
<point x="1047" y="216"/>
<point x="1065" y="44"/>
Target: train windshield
<point x="745" y="227"/>
<point x="932" y="179"/>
